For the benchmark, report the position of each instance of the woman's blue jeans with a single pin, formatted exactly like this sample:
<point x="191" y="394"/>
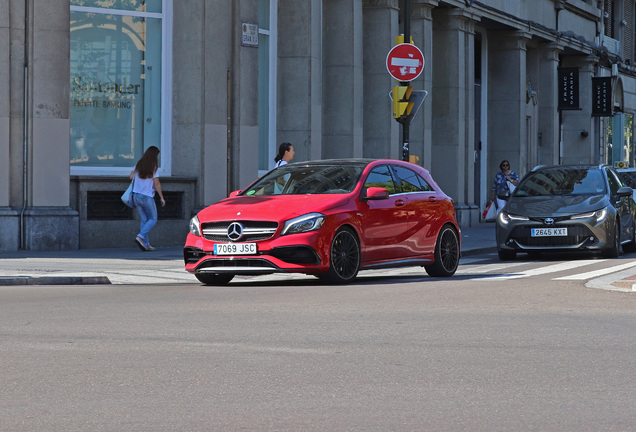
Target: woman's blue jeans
<point x="147" y="214"/>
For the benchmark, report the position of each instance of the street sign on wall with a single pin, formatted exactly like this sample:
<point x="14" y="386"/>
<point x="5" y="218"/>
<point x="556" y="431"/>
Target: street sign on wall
<point x="405" y="62"/>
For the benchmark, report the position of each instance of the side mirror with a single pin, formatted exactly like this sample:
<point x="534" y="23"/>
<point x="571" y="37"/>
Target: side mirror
<point x="235" y="193"/>
<point x="624" y="191"/>
<point x="503" y="195"/>
<point x="376" y="193"/>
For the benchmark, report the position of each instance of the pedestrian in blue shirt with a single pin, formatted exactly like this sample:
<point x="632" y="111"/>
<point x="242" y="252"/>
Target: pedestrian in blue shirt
<point x="144" y="188"/>
<point x="506" y="180"/>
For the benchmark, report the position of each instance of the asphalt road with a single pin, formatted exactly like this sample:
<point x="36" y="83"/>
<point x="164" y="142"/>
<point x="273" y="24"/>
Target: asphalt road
<point x="402" y="354"/>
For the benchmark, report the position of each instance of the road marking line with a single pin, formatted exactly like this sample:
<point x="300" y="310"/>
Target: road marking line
<point x="487" y="268"/>
<point x="541" y="270"/>
<point x="596" y="273"/>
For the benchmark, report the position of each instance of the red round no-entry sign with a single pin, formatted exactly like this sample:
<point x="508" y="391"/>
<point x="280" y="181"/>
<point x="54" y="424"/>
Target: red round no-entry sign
<point x="405" y="62"/>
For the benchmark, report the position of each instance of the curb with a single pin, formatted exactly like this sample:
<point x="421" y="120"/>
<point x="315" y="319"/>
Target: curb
<point x="51" y="280"/>
<point x="479" y="251"/>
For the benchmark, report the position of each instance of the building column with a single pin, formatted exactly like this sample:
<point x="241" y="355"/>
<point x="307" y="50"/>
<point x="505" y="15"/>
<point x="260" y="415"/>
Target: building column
<point x="300" y="90"/>
<point x="50" y="223"/>
<point x="229" y="147"/>
<point x="547" y="89"/>
<point x="507" y="137"/>
<point x="421" y="128"/>
<point x="453" y="130"/>
<point x="578" y="147"/>
<point x="381" y="131"/>
<point x="9" y="223"/>
<point x="343" y="101"/>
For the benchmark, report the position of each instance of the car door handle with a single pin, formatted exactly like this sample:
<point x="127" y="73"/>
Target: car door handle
<point x="432" y="199"/>
<point x="399" y="203"/>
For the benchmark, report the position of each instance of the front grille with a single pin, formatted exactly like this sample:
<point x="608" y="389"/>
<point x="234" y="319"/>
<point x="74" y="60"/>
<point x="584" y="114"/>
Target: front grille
<point x="252" y="230"/>
<point x="541" y="220"/>
<point x="576" y="234"/>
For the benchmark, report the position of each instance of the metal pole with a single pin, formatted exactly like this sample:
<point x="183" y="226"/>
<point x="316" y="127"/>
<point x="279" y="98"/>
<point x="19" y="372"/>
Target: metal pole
<point x="25" y="145"/>
<point x="407" y="39"/>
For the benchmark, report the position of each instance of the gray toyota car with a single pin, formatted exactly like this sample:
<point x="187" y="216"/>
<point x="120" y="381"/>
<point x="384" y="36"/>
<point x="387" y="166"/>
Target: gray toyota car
<point x="566" y="208"/>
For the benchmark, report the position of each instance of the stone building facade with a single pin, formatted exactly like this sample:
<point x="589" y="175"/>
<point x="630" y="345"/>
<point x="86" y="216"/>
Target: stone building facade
<point x="87" y="85"/>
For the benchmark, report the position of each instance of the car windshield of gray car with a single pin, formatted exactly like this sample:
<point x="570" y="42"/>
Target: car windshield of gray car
<point x="565" y="181"/>
<point x="301" y="180"/>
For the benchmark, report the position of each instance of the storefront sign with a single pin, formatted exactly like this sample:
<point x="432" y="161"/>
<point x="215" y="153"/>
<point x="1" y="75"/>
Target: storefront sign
<point x="249" y="34"/>
<point x="601" y="96"/>
<point x="568" y="88"/>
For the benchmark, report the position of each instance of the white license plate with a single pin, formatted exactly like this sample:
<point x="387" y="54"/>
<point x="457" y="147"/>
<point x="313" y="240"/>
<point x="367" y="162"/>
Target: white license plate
<point x="235" y="249"/>
<point x="549" y="232"/>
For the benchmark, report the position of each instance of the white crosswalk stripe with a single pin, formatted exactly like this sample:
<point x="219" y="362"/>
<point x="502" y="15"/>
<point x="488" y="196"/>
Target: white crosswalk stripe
<point x="540" y="270"/>
<point x="597" y="273"/>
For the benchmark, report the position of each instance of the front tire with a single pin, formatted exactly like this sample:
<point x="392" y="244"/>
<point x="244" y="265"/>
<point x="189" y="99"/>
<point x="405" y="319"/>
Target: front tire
<point x="631" y="246"/>
<point x="447" y="254"/>
<point x="344" y="258"/>
<point x="506" y="255"/>
<point x="614" y="250"/>
<point x="215" y="279"/>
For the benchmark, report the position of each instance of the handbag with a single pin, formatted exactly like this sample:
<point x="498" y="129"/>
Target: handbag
<point x="490" y="213"/>
<point x="511" y="187"/>
<point x="127" y="196"/>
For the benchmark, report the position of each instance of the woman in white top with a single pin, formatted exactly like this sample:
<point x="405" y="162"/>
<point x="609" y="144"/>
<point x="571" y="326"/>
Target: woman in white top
<point x="146" y="183"/>
<point x="285" y="154"/>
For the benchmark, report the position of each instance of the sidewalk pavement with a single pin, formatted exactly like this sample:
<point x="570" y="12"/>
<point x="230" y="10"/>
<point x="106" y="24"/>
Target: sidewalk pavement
<point x="130" y="265"/>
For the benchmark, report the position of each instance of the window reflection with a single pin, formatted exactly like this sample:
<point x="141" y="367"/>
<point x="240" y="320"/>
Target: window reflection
<point x="381" y="177"/>
<point x="115" y="77"/>
<point x="129" y="5"/>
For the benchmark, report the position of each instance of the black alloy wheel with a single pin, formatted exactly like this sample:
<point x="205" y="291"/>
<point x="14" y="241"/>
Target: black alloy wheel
<point x="447" y="254"/>
<point x="344" y="258"/>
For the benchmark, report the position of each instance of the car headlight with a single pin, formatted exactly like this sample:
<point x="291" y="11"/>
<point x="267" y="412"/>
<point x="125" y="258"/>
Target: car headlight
<point x="304" y="223"/>
<point x="599" y="215"/>
<point x="505" y="217"/>
<point x="195" y="226"/>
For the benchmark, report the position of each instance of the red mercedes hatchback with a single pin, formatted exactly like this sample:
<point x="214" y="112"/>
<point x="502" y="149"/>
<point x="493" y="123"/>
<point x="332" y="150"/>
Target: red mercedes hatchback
<point x="328" y="218"/>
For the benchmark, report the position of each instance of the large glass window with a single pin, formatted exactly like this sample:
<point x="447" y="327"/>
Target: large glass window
<point x="117" y="67"/>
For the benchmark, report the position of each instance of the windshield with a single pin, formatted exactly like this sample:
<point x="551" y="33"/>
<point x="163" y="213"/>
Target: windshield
<point x="564" y="181"/>
<point x="301" y="180"/>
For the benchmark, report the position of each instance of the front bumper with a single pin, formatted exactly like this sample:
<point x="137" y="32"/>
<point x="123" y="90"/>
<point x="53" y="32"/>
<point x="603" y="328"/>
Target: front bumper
<point x="582" y="235"/>
<point x="277" y="255"/>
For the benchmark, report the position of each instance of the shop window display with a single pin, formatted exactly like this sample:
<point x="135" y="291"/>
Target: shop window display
<point x="115" y="83"/>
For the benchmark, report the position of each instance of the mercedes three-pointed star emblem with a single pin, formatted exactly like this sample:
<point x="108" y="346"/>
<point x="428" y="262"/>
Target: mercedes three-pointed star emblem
<point x="235" y="231"/>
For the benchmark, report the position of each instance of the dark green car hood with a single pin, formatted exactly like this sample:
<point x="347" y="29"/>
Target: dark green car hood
<point x="555" y="205"/>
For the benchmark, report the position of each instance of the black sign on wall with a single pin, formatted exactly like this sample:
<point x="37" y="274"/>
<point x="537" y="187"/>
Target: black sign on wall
<point x="568" y="88"/>
<point x="601" y="96"/>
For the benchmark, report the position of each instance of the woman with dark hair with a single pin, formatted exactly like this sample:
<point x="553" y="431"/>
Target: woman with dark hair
<point x="285" y="154"/>
<point x="146" y="183"/>
<point x="503" y="181"/>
